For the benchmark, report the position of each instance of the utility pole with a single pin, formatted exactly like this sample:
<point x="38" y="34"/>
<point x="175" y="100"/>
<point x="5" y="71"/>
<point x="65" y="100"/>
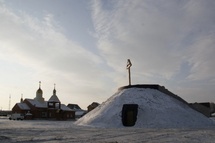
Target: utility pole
<point x="129" y="71"/>
<point x="9" y="101"/>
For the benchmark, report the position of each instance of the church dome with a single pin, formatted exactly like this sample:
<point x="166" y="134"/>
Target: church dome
<point x="39" y="94"/>
<point x="54" y="92"/>
<point x="39" y="91"/>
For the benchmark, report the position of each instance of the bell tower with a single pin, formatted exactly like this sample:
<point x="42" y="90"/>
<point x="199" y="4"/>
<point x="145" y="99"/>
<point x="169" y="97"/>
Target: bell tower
<point x="54" y="101"/>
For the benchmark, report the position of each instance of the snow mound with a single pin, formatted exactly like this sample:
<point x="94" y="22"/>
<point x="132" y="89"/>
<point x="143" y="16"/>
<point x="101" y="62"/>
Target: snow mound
<point x="155" y="110"/>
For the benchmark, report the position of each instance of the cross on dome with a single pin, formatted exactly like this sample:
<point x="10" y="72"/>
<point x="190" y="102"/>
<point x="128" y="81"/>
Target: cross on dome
<point x="39" y="91"/>
<point x="54" y="91"/>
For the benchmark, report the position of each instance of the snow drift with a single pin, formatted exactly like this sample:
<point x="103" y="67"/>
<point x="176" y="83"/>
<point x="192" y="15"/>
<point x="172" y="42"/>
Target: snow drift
<point x="155" y="110"/>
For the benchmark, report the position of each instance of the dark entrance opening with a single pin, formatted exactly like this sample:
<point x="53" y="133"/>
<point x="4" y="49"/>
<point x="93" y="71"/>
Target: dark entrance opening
<point x="129" y="114"/>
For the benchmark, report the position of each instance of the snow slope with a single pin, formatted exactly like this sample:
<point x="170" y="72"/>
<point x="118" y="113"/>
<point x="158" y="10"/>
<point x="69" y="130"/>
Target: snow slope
<point x="45" y="131"/>
<point x="156" y="110"/>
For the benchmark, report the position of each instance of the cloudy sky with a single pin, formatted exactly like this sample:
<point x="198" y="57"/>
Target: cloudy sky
<point x="82" y="46"/>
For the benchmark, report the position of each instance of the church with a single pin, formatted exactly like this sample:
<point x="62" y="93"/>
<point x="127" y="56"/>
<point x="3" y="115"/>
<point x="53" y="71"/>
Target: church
<point x="38" y="108"/>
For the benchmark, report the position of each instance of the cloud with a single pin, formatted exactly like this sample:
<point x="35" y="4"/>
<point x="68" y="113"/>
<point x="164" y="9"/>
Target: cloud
<point x="157" y="36"/>
<point x="201" y="56"/>
<point x="40" y="45"/>
<point x="169" y="42"/>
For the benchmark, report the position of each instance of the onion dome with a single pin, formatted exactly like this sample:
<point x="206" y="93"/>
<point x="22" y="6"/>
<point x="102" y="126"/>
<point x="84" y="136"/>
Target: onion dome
<point x="39" y="91"/>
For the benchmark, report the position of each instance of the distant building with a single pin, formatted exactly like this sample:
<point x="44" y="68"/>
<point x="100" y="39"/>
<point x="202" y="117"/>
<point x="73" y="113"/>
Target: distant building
<point x="74" y="106"/>
<point x="38" y="108"/>
<point x="92" y="106"/>
<point x="78" y="111"/>
<point x="5" y="112"/>
<point x="206" y="108"/>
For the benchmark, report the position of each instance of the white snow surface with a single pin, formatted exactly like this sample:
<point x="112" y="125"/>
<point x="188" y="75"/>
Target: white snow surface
<point x="160" y="120"/>
<point x="156" y="110"/>
<point x="45" y="131"/>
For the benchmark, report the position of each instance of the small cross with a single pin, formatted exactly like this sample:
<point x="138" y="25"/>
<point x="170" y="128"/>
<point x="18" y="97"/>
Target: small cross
<point x="129" y="71"/>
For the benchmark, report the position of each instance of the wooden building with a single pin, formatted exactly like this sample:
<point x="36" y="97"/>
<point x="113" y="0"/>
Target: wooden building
<point x="38" y="108"/>
<point x="92" y="106"/>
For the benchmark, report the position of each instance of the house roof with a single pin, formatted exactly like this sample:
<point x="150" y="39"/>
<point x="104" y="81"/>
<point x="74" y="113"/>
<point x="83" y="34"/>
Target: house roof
<point x="43" y="105"/>
<point x="73" y="106"/>
<point x="54" y="98"/>
<point x="37" y="103"/>
<point x="23" y="106"/>
<point x="65" y="108"/>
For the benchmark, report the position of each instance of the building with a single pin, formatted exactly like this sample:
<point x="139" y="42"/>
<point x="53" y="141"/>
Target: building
<point x="92" y="106"/>
<point x="38" y="108"/>
<point x="206" y="108"/>
<point x="78" y="111"/>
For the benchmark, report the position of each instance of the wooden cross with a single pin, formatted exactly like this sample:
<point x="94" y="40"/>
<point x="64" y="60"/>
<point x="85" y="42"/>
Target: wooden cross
<point x="129" y="71"/>
<point x="39" y="84"/>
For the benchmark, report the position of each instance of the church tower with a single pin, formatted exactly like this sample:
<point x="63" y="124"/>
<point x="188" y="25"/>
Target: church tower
<point x="39" y="94"/>
<point x="54" y="101"/>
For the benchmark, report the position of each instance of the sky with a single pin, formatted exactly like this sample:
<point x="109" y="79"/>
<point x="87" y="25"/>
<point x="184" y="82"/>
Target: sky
<point x="82" y="46"/>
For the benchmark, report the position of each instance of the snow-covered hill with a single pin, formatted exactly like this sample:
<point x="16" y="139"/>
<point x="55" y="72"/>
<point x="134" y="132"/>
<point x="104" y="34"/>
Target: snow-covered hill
<point x="155" y="110"/>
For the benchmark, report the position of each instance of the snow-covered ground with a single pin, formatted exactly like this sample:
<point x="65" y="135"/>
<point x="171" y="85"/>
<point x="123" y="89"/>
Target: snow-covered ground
<point x="161" y="118"/>
<point x="36" y="131"/>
